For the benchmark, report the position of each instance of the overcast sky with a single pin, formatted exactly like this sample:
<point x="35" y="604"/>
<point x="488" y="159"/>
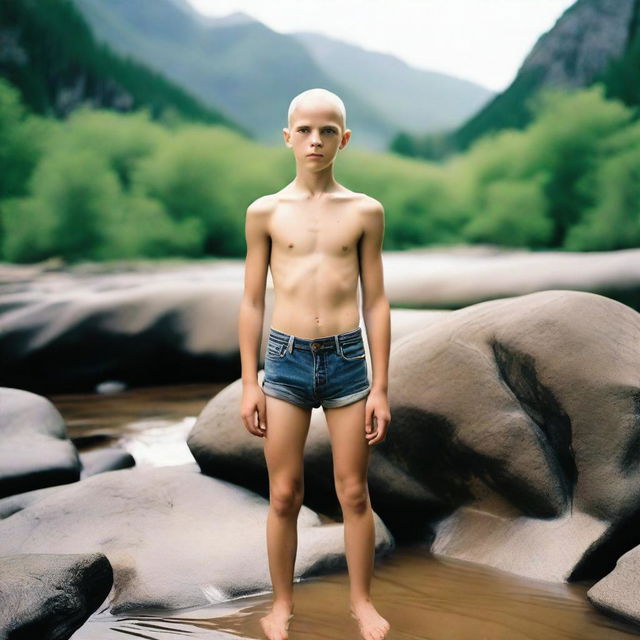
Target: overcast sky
<point x="480" y="40"/>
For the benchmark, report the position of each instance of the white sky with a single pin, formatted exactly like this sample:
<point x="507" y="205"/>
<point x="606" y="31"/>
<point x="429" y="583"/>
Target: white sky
<point x="480" y="40"/>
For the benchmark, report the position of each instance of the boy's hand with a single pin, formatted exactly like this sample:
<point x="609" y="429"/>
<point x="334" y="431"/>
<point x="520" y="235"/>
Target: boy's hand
<point x="377" y="417"/>
<point x="254" y="410"/>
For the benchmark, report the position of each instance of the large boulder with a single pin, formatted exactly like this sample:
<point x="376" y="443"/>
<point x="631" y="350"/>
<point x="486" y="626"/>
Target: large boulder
<point x="34" y="451"/>
<point x="175" y="537"/>
<point x="49" y="596"/>
<point x="513" y="429"/>
<point x="522" y="414"/>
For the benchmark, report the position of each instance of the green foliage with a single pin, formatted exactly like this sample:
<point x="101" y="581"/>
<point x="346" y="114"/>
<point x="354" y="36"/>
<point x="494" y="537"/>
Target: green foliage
<point x="73" y="196"/>
<point x="197" y="174"/>
<point x="514" y="214"/>
<point x="142" y="228"/>
<point x="21" y="137"/>
<point x="531" y="187"/>
<point x="108" y="186"/>
<point x="404" y="144"/>
<point x="613" y="222"/>
<point x="621" y="76"/>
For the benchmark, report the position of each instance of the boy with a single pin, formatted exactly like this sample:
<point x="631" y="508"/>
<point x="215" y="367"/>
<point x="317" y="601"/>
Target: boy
<point x="317" y="237"/>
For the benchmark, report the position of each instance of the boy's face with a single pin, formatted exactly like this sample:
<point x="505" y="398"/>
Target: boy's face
<point x="316" y="128"/>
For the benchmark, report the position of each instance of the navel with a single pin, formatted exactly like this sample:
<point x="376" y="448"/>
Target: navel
<point x="291" y="245"/>
<point x="344" y="248"/>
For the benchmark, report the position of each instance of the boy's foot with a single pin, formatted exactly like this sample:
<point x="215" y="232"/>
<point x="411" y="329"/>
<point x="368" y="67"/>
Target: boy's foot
<point x="276" y="623"/>
<point x="372" y="625"/>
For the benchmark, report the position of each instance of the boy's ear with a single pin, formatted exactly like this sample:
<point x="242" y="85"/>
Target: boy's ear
<point x="346" y="136"/>
<point x="286" y="133"/>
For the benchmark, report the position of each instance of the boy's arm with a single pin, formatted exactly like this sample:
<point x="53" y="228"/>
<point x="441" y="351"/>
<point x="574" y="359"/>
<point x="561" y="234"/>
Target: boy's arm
<point x="251" y="317"/>
<point x="375" y="306"/>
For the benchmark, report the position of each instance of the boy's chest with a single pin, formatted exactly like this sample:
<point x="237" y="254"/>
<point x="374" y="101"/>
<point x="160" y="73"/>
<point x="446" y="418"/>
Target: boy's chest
<point x="304" y="229"/>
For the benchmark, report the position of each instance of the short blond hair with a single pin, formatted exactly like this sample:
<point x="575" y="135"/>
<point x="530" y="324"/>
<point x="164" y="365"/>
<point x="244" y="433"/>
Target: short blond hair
<point x="323" y="94"/>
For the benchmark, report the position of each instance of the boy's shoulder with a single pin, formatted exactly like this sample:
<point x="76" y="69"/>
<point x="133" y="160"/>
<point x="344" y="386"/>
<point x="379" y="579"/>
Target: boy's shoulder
<point x="263" y="204"/>
<point x="369" y="204"/>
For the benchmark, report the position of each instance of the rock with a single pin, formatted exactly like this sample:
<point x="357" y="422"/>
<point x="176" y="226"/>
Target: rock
<point x="49" y="596"/>
<point x="155" y="333"/>
<point x="19" y="501"/>
<point x="174" y="537"/>
<point x="494" y="403"/>
<point x="454" y="279"/>
<point x="35" y="451"/>
<point x="525" y="407"/>
<point x="543" y="549"/>
<point x="182" y="318"/>
<point x="617" y="593"/>
<point x="585" y="39"/>
<point x="107" y="459"/>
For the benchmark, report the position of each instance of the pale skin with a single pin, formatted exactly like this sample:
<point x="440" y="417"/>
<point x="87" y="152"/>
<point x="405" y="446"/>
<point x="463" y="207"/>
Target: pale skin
<point x="318" y="238"/>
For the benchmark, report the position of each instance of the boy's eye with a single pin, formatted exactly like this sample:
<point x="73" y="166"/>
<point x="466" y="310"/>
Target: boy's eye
<point x="305" y="129"/>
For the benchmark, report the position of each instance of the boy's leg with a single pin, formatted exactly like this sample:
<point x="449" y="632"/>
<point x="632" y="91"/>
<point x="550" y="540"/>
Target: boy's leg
<point x="287" y="429"/>
<point x="350" y="464"/>
<point x="351" y="453"/>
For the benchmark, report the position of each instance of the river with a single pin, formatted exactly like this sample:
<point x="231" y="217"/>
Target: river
<point x="423" y="595"/>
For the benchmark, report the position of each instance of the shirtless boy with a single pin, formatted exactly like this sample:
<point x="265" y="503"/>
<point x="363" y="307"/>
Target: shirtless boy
<point x="318" y="237"/>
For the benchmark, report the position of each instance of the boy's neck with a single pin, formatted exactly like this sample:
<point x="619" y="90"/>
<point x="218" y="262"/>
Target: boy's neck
<point x="315" y="184"/>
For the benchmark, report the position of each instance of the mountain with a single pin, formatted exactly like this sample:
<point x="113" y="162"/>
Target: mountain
<point x="48" y="52"/>
<point x="414" y="100"/>
<point x="235" y="64"/>
<point x="593" y="41"/>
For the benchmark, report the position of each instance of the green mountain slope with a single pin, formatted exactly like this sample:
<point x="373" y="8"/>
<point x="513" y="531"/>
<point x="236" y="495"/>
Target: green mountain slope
<point x="50" y="55"/>
<point x="235" y="64"/>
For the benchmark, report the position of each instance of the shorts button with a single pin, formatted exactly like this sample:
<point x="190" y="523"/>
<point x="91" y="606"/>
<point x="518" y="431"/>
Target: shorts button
<point x="315" y="346"/>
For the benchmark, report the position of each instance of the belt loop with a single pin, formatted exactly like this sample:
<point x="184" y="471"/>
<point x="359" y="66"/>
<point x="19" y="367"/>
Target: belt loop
<point x="337" y="343"/>
<point x="291" y="344"/>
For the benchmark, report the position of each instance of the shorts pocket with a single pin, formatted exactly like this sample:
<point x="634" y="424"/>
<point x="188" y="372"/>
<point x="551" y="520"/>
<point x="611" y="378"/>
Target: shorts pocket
<point x="352" y="350"/>
<point x="275" y="350"/>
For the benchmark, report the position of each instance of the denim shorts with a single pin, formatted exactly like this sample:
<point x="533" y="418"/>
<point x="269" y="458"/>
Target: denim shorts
<point x="330" y="371"/>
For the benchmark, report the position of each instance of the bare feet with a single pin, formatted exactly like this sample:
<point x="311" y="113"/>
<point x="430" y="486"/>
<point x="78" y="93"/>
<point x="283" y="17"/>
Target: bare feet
<point x="372" y="625"/>
<point x="276" y="623"/>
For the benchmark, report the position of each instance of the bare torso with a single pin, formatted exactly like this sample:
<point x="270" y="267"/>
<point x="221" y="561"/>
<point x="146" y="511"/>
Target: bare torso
<point x="314" y="263"/>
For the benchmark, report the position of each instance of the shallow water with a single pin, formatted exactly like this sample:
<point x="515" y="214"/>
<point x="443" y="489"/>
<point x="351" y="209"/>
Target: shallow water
<point x="421" y="594"/>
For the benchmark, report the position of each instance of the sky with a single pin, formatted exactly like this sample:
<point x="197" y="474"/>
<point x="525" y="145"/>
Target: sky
<point x="484" y="41"/>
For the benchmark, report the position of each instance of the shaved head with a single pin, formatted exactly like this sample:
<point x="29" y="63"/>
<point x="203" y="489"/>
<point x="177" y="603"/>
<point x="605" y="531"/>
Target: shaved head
<point x="322" y="98"/>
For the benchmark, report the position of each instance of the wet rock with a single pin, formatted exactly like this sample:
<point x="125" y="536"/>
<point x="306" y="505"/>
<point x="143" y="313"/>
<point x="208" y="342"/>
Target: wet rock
<point x="106" y="459"/>
<point x="49" y="596"/>
<point x="617" y="593"/>
<point x="34" y="449"/>
<point x="175" y="537"/>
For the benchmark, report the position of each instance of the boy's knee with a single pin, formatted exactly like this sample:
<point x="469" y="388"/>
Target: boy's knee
<point x="353" y="495"/>
<point x="286" y="499"/>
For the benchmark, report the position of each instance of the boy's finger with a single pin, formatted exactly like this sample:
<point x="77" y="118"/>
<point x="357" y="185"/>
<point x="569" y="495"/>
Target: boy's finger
<point x="367" y="424"/>
<point x="249" y="426"/>
<point x="262" y="422"/>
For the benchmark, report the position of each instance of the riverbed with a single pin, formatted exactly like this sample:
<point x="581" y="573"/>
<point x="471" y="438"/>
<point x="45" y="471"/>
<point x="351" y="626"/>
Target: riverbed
<point x="423" y="595"/>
